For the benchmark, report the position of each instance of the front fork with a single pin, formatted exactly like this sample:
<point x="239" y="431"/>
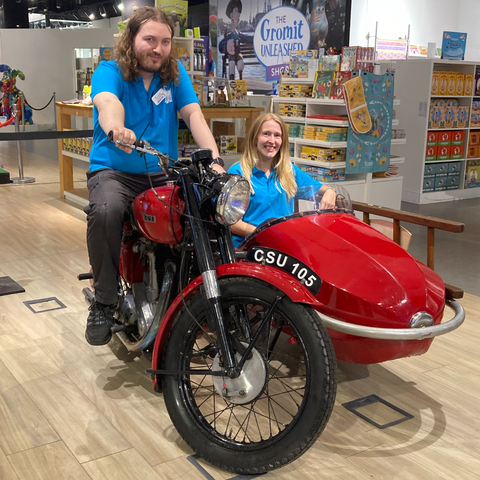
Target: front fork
<point x="212" y="296"/>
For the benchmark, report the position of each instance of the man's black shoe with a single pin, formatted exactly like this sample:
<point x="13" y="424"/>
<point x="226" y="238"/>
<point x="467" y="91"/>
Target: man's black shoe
<point x="99" y="323"/>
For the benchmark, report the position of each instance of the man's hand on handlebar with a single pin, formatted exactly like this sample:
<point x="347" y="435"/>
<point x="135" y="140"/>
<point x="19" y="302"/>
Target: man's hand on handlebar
<point x="124" y="135"/>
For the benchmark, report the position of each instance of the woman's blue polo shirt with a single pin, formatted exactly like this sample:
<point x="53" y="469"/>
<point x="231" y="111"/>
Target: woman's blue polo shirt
<point x="269" y="199"/>
<point x="154" y="121"/>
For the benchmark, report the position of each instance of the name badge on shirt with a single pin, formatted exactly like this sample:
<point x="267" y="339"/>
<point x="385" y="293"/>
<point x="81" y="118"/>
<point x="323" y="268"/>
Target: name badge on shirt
<point x="159" y="97"/>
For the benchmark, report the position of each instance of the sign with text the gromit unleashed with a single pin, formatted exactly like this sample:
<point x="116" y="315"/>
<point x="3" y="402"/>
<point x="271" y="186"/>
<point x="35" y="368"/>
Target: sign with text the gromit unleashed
<point x="280" y="30"/>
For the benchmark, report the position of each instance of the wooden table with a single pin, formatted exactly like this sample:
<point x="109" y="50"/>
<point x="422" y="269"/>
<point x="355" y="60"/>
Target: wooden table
<point x="65" y="158"/>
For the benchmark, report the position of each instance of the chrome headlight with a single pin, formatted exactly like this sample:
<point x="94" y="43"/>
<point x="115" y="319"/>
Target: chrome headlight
<point x="233" y="198"/>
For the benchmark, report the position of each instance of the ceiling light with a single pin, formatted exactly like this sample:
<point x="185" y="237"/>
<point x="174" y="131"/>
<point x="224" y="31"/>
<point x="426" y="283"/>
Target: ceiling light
<point x="91" y="14"/>
<point x="120" y="5"/>
<point x="102" y="11"/>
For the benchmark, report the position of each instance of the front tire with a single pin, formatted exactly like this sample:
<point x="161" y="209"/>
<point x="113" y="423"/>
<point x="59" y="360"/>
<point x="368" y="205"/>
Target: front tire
<point x="294" y="360"/>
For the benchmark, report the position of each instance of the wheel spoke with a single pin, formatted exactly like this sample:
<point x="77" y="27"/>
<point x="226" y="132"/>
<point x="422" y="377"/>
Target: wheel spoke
<point x="270" y="413"/>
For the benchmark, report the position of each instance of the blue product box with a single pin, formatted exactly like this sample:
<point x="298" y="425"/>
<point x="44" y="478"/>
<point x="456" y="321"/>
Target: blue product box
<point x="441" y="169"/>
<point x="430" y="170"/>
<point x="440" y="183"/>
<point x="454" y="167"/>
<point x="428" y="184"/>
<point x="453" y="181"/>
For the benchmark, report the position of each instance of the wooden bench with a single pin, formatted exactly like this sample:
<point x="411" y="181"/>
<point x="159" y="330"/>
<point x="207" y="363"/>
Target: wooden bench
<point x="431" y="223"/>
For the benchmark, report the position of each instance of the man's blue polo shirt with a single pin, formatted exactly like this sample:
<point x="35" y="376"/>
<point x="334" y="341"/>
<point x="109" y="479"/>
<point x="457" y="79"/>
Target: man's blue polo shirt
<point x="269" y="200"/>
<point x="155" y="123"/>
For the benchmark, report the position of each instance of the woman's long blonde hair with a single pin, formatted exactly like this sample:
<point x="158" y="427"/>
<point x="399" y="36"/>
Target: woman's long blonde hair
<point x="281" y="163"/>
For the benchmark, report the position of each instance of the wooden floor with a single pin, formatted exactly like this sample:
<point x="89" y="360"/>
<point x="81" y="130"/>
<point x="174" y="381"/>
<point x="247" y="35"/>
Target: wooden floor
<point x="72" y="411"/>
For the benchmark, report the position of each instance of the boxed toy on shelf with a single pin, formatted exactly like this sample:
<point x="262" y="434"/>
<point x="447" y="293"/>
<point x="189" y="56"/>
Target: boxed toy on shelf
<point x="322" y="154"/>
<point x="291" y="110"/>
<point x="472" y="174"/>
<point x="357" y="58"/>
<point x="294" y="90"/>
<point x="324" y="175"/>
<point x="322" y="85"/>
<point x="183" y="56"/>
<point x="238" y="93"/>
<point x="301" y="61"/>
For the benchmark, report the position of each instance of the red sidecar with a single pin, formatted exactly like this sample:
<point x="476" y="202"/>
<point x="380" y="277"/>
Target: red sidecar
<point x="378" y="302"/>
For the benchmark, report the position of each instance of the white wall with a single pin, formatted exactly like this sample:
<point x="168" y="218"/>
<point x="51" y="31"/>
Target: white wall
<point x="46" y="57"/>
<point x="428" y="19"/>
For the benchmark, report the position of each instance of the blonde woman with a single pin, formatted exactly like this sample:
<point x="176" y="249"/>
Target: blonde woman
<point x="275" y="181"/>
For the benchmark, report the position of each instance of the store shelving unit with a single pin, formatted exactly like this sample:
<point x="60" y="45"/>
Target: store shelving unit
<point x="187" y="43"/>
<point x="413" y="83"/>
<point x="364" y="187"/>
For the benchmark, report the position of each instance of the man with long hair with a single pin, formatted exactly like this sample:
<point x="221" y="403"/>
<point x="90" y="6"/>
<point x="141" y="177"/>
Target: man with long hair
<point x="136" y="96"/>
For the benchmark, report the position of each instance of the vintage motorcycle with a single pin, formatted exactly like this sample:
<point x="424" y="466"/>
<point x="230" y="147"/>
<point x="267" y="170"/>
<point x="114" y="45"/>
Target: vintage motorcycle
<point x="239" y="339"/>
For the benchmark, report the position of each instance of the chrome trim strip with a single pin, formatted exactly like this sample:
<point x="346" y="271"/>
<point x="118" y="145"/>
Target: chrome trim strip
<point x="400" y="333"/>
<point x="210" y="283"/>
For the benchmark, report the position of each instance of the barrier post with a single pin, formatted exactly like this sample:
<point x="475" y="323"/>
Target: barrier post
<point x="20" y="179"/>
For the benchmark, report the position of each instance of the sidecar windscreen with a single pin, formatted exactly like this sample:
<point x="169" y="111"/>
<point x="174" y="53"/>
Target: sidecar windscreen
<point x="308" y="200"/>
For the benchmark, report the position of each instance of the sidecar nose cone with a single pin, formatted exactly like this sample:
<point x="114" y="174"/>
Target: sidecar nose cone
<point x="420" y="320"/>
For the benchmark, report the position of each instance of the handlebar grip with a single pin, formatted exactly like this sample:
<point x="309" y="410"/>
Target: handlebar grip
<point x="110" y="136"/>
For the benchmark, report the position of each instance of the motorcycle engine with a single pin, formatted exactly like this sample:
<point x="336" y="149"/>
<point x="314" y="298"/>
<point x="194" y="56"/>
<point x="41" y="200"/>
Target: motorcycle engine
<point x="127" y="311"/>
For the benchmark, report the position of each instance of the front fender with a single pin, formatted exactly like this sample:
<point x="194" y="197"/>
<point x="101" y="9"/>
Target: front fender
<point x="277" y="278"/>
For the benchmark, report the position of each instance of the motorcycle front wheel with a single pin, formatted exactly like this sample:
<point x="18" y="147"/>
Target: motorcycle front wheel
<point x="281" y="402"/>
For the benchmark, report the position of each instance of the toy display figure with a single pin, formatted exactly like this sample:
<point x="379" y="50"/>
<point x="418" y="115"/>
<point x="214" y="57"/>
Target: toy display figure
<point x="230" y="44"/>
<point x="11" y="94"/>
<point x="178" y="22"/>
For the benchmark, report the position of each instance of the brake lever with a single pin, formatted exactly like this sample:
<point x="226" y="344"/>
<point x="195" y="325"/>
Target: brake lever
<point x="142" y="146"/>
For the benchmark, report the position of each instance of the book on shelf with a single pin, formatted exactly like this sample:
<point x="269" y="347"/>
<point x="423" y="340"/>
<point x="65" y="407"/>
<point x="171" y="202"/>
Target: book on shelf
<point x="322" y="85"/>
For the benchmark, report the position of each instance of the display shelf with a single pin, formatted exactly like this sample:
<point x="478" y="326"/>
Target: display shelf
<point x="413" y="84"/>
<point x="384" y="191"/>
<point x="293" y="119"/>
<point x="299" y="81"/>
<point x="77" y="156"/>
<point x="428" y="162"/>
<point x="397" y="160"/>
<point x="392" y="178"/>
<point x="316" y="163"/>
<point x="327" y="122"/>
<point x="447" y="129"/>
<point x="320" y="143"/>
<point x="289" y="100"/>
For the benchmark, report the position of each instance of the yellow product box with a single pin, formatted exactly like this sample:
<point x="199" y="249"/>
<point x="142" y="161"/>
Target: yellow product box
<point x="463" y="116"/>
<point x="451" y="77"/>
<point x="442" y="83"/>
<point x="308" y="150"/>
<point x="468" y="89"/>
<point x="435" y="80"/>
<point x="334" y="129"/>
<point x="459" y="84"/>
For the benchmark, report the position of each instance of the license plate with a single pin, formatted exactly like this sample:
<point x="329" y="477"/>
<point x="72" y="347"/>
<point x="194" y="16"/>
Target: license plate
<point x="268" y="256"/>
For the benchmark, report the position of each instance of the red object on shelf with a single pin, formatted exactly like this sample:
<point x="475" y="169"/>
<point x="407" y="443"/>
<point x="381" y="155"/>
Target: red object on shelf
<point x="329" y="117"/>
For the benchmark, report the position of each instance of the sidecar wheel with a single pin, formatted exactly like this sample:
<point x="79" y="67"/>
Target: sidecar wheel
<point x="258" y="427"/>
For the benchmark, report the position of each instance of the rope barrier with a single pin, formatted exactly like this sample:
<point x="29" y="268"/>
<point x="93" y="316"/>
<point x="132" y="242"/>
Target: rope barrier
<point x="45" y="135"/>
<point x="8" y="122"/>
<point x="40" y="109"/>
